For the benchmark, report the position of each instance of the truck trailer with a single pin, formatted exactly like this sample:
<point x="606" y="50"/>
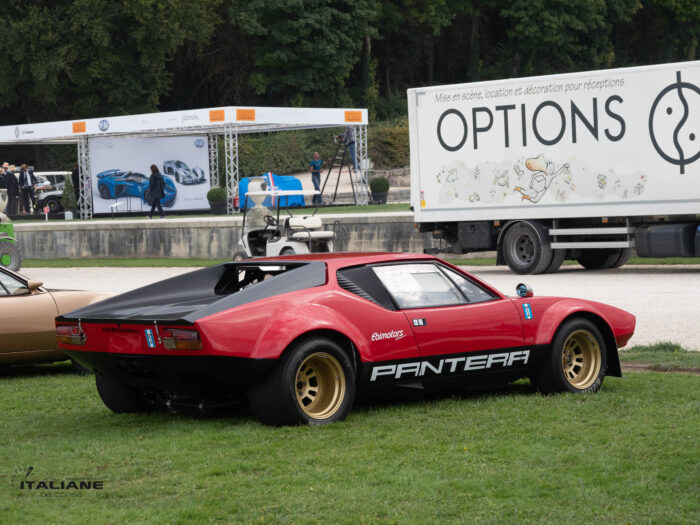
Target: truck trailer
<point x="589" y="166"/>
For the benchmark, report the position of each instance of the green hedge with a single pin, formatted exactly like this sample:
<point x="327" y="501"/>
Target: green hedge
<point x="290" y="151"/>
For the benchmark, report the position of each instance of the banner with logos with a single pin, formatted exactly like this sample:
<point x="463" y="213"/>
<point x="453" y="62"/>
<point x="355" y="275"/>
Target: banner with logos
<point x="120" y="171"/>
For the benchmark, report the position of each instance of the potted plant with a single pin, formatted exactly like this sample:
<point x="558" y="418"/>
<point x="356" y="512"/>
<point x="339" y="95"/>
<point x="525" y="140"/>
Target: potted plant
<point x="217" y="201"/>
<point x="68" y="200"/>
<point x="379" y="186"/>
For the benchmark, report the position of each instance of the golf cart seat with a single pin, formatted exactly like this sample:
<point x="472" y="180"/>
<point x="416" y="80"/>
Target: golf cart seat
<point x="305" y="223"/>
<point x="317" y="235"/>
<point x="307" y="228"/>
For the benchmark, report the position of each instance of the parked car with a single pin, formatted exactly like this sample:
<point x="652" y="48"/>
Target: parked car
<point x="300" y="335"/>
<point x="113" y="184"/>
<point x="27" y="313"/>
<point x="182" y="173"/>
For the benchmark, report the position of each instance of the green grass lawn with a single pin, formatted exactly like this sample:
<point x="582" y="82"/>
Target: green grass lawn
<point x="662" y="356"/>
<point x="628" y="454"/>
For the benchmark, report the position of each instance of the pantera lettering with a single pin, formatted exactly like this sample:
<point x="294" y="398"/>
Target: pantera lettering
<point x="450" y="365"/>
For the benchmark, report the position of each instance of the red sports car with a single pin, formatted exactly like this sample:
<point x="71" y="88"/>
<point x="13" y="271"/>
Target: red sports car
<point x="300" y="335"/>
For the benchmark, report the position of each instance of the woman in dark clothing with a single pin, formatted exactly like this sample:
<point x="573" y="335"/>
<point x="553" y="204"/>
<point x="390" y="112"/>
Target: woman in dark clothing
<point x="12" y="192"/>
<point x="156" y="189"/>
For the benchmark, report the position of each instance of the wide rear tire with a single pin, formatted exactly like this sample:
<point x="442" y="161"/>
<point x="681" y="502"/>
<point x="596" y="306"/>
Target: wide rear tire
<point x="314" y="383"/>
<point x="577" y="359"/>
<point x="119" y="397"/>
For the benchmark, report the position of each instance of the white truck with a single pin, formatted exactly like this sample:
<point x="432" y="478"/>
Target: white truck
<point x="587" y="166"/>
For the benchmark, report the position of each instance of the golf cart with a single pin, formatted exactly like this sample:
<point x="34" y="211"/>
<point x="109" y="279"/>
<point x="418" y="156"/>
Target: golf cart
<point x="268" y="233"/>
<point x="10" y="255"/>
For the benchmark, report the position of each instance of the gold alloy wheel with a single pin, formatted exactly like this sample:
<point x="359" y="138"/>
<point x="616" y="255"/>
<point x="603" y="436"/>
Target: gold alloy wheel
<point x="320" y="385"/>
<point x="581" y="359"/>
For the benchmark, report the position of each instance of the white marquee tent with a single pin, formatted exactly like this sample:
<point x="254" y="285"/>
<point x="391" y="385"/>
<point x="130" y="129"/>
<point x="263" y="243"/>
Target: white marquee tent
<point x="225" y="122"/>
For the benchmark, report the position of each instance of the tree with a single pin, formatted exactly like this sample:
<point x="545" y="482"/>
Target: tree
<point x="303" y="48"/>
<point x="85" y="58"/>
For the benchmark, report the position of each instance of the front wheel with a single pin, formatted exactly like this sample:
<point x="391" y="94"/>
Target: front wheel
<point x="104" y="192"/>
<point x="314" y="383"/>
<point x="119" y="397"/>
<point x="577" y="360"/>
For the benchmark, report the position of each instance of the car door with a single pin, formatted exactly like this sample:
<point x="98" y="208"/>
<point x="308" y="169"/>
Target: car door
<point x="449" y="313"/>
<point x="26" y="318"/>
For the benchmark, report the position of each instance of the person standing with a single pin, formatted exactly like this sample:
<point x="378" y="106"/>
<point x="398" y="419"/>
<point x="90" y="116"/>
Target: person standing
<point x="27" y="185"/>
<point x="75" y="179"/>
<point x="315" y="165"/>
<point x="12" y="190"/>
<point x="349" y="139"/>
<point x="156" y="189"/>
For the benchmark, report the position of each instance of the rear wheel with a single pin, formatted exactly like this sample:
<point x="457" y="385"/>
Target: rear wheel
<point x="525" y="250"/>
<point x="557" y="261"/>
<point x="10" y="256"/>
<point x="119" y="397"/>
<point x="604" y="259"/>
<point x="314" y="383"/>
<point x="577" y="359"/>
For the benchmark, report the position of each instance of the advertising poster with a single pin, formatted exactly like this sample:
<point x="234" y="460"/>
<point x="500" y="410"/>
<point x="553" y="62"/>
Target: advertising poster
<point x="120" y="168"/>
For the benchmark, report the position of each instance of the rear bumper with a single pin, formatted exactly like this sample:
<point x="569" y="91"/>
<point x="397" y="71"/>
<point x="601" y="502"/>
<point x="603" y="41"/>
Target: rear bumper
<point x="176" y="373"/>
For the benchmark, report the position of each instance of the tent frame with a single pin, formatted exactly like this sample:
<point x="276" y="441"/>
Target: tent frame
<point x="226" y="123"/>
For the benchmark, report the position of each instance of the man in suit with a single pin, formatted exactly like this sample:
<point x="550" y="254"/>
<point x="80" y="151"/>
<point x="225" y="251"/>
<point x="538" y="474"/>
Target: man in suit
<point x="27" y="184"/>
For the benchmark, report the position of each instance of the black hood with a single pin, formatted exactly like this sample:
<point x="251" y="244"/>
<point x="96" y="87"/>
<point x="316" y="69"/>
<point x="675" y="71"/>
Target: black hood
<point x="192" y="296"/>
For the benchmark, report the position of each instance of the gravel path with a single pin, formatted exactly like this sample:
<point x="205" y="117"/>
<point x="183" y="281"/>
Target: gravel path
<point x="665" y="299"/>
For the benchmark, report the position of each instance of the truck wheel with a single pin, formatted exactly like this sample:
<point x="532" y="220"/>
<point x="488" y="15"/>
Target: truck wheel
<point x="557" y="261"/>
<point x="524" y="250"/>
<point x="10" y="256"/>
<point x="314" y="383"/>
<point x="119" y="397"/>
<point x="576" y="361"/>
<point x="604" y="259"/>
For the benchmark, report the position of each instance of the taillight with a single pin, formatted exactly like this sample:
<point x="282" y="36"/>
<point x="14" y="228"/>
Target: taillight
<point x="70" y="334"/>
<point x="181" y="339"/>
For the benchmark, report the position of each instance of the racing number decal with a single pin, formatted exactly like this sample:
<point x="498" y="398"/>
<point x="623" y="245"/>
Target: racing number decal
<point x="527" y="310"/>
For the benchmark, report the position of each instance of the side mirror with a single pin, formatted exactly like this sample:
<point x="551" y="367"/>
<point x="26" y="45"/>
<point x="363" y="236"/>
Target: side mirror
<point x="523" y="290"/>
<point x="33" y="286"/>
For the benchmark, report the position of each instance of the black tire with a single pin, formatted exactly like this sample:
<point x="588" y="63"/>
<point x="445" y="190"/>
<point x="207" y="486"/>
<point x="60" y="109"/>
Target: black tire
<point x="577" y="359"/>
<point x="10" y="256"/>
<point x="80" y="369"/>
<point x="104" y="191"/>
<point x="314" y="383"/>
<point x="557" y="261"/>
<point x="53" y="203"/>
<point x="525" y="250"/>
<point x="287" y="251"/>
<point x="119" y="397"/>
<point x="604" y="259"/>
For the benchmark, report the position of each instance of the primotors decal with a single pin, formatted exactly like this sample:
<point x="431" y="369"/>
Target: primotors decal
<point x="447" y="366"/>
<point x="396" y="335"/>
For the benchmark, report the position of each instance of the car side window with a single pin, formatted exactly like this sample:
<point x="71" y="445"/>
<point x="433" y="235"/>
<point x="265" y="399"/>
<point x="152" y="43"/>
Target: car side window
<point x="10" y="286"/>
<point x="418" y="285"/>
<point x="473" y="292"/>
